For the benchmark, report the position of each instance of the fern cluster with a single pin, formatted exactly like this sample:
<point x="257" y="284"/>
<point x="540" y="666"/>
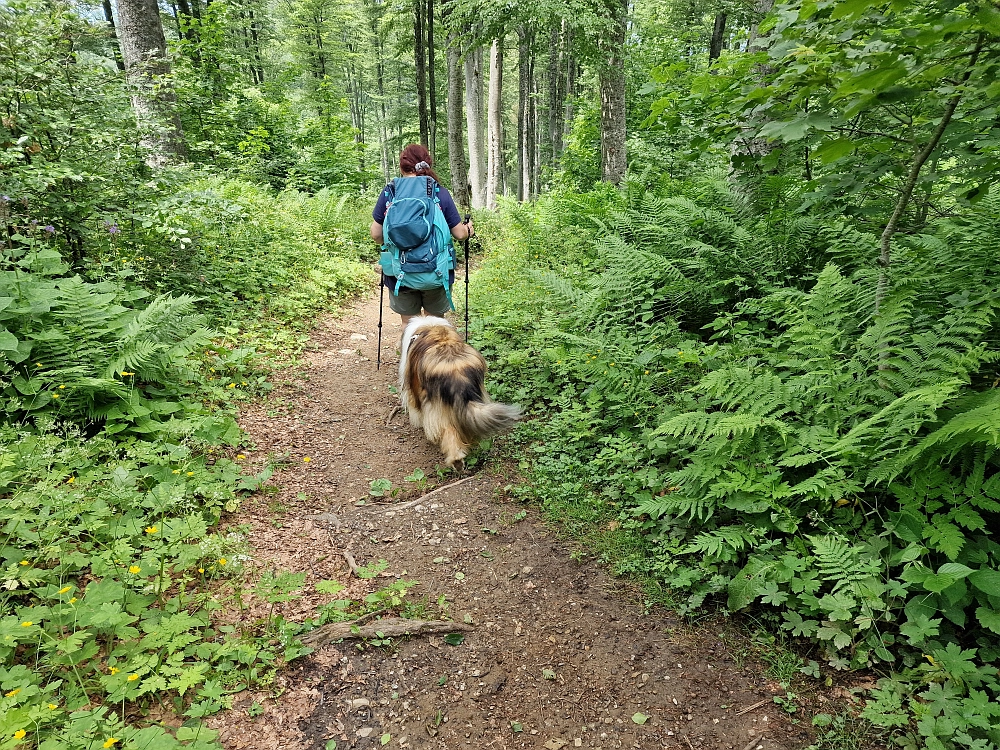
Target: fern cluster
<point x="723" y="382"/>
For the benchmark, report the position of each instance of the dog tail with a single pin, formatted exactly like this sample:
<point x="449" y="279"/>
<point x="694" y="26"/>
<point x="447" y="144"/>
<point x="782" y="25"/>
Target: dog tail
<point x="482" y="420"/>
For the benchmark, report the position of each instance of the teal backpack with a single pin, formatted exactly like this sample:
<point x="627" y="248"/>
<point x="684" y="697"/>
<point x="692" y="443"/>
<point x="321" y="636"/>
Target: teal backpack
<point x="418" y="248"/>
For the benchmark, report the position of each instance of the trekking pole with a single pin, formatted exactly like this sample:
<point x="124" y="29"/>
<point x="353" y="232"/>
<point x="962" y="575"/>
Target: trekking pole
<point x="381" y="298"/>
<point x="468" y="218"/>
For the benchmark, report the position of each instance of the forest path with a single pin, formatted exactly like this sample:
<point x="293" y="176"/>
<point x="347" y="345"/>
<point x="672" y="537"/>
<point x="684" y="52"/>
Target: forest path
<point x="558" y="655"/>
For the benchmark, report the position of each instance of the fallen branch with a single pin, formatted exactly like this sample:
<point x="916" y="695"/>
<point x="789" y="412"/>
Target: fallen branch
<point x="390" y="627"/>
<point x="392" y="415"/>
<point x="753" y="743"/>
<point x="403" y="506"/>
<point x="758" y="704"/>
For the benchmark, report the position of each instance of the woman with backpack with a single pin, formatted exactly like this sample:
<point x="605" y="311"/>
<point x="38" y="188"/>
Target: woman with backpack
<point x="412" y="221"/>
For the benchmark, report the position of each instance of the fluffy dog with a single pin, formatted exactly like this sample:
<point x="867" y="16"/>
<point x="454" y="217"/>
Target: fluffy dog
<point x="441" y="388"/>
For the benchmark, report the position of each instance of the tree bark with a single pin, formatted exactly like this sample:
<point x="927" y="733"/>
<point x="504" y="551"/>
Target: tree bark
<point x="456" y="151"/>
<point x="419" y="59"/>
<point x="431" y="85"/>
<point x="144" y="49"/>
<point x="523" y="110"/>
<point x="612" y="81"/>
<point x="474" y="125"/>
<point x="109" y="16"/>
<point x="718" y="35"/>
<point x="495" y="166"/>
<point x="553" y="111"/>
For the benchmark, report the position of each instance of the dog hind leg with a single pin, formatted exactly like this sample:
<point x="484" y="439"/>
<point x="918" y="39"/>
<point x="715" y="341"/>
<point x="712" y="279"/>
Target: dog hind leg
<point x="453" y="448"/>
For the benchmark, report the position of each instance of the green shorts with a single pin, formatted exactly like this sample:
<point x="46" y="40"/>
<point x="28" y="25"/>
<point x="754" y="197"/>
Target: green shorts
<point x="411" y="301"/>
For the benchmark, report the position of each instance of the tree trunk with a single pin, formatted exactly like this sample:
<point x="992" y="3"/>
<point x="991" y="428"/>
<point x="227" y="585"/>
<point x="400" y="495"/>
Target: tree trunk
<point x="474" y="125"/>
<point x="495" y="166"/>
<point x="109" y="16"/>
<point x="257" y="58"/>
<point x="431" y="86"/>
<point x="569" y="95"/>
<point x="419" y="59"/>
<point x="718" y="34"/>
<point x="456" y="151"/>
<point x="536" y="135"/>
<point x="523" y="95"/>
<point x="885" y="257"/>
<point x="613" y="98"/>
<point x="144" y="49"/>
<point x="553" y="112"/>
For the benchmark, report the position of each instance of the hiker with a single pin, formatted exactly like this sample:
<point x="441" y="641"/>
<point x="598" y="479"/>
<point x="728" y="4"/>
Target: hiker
<point x="430" y="291"/>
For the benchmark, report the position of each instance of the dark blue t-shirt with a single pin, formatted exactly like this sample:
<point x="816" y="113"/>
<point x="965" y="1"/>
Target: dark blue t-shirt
<point x="448" y="208"/>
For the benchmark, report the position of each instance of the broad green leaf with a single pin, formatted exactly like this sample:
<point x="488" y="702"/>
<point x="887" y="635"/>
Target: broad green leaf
<point x="829" y="151"/>
<point x="986" y="580"/>
<point x="988" y="618"/>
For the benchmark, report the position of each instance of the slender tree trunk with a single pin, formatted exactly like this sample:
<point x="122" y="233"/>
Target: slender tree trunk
<point x="553" y="111"/>
<point x="885" y="254"/>
<point x="536" y="135"/>
<point x="456" y="151"/>
<point x="144" y="49"/>
<point x="109" y="16"/>
<point x="718" y="35"/>
<point x="257" y="59"/>
<point x="523" y="94"/>
<point x="431" y="85"/>
<point x="495" y="165"/>
<point x="613" y="111"/>
<point x="569" y="95"/>
<point x="420" y="59"/>
<point x="474" y="125"/>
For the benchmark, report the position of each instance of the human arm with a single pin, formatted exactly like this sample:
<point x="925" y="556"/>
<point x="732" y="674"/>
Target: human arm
<point x="376" y="232"/>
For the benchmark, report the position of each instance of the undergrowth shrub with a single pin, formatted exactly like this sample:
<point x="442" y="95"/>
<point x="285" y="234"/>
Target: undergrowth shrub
<point x="706" y="377"/>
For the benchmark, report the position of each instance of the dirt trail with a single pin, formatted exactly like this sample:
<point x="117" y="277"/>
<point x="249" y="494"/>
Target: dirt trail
<point x="558" y="655"/>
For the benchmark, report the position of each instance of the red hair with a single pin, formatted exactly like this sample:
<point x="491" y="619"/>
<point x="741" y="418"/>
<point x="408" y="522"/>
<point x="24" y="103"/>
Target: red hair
<point x="412" y="155"/>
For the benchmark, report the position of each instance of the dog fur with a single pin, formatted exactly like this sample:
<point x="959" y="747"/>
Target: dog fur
<point x="441" y="386"/>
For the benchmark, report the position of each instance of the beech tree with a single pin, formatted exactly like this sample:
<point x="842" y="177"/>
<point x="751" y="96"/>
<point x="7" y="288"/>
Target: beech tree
<point x="144" y="50"/>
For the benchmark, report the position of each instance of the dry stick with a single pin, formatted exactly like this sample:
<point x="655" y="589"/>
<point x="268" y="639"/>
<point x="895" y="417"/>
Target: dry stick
<point x="911" y="182"/>
<point x="758" y="704"/>
<point x="754" y="741"/>
<point x="390" y="627"/>
<point x="432" y="492"/>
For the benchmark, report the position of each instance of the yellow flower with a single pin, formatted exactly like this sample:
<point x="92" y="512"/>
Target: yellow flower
<point x="306" y="459"/>
<point x="133" y="677"/>
<point x="12" y="693"/>
<point x="190" y="473"/>
<point x="151" y="529"/>
<point x="134" y="569"/>
<point x="72" y="600"/>
<point x="240" y="457"/>
<point x="647" y="372"/>
<point x="20" y="734"/>
<point x="127" y="374"/>
<point x="244" y="382"/>
<point x="222" y="561"/>
<point x="201" y="570"/>
<point x="62" y="388"/>
<point x="231" y="385"/>
<point x="27" y="624"/>
<point x="53" y="706"/>
<point x="177" y="471"/>
<point x="71" y="480"/>
<point x="110" y="742"/>
<point x="25" y="562"/>
<point x="114" y="670"/>
<point x="55" y="396"/>
<point x="65" y="589"/>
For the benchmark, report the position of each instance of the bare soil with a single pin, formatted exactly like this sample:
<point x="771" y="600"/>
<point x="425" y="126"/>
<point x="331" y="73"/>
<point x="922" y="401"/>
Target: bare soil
<point x="559" y="654"/>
